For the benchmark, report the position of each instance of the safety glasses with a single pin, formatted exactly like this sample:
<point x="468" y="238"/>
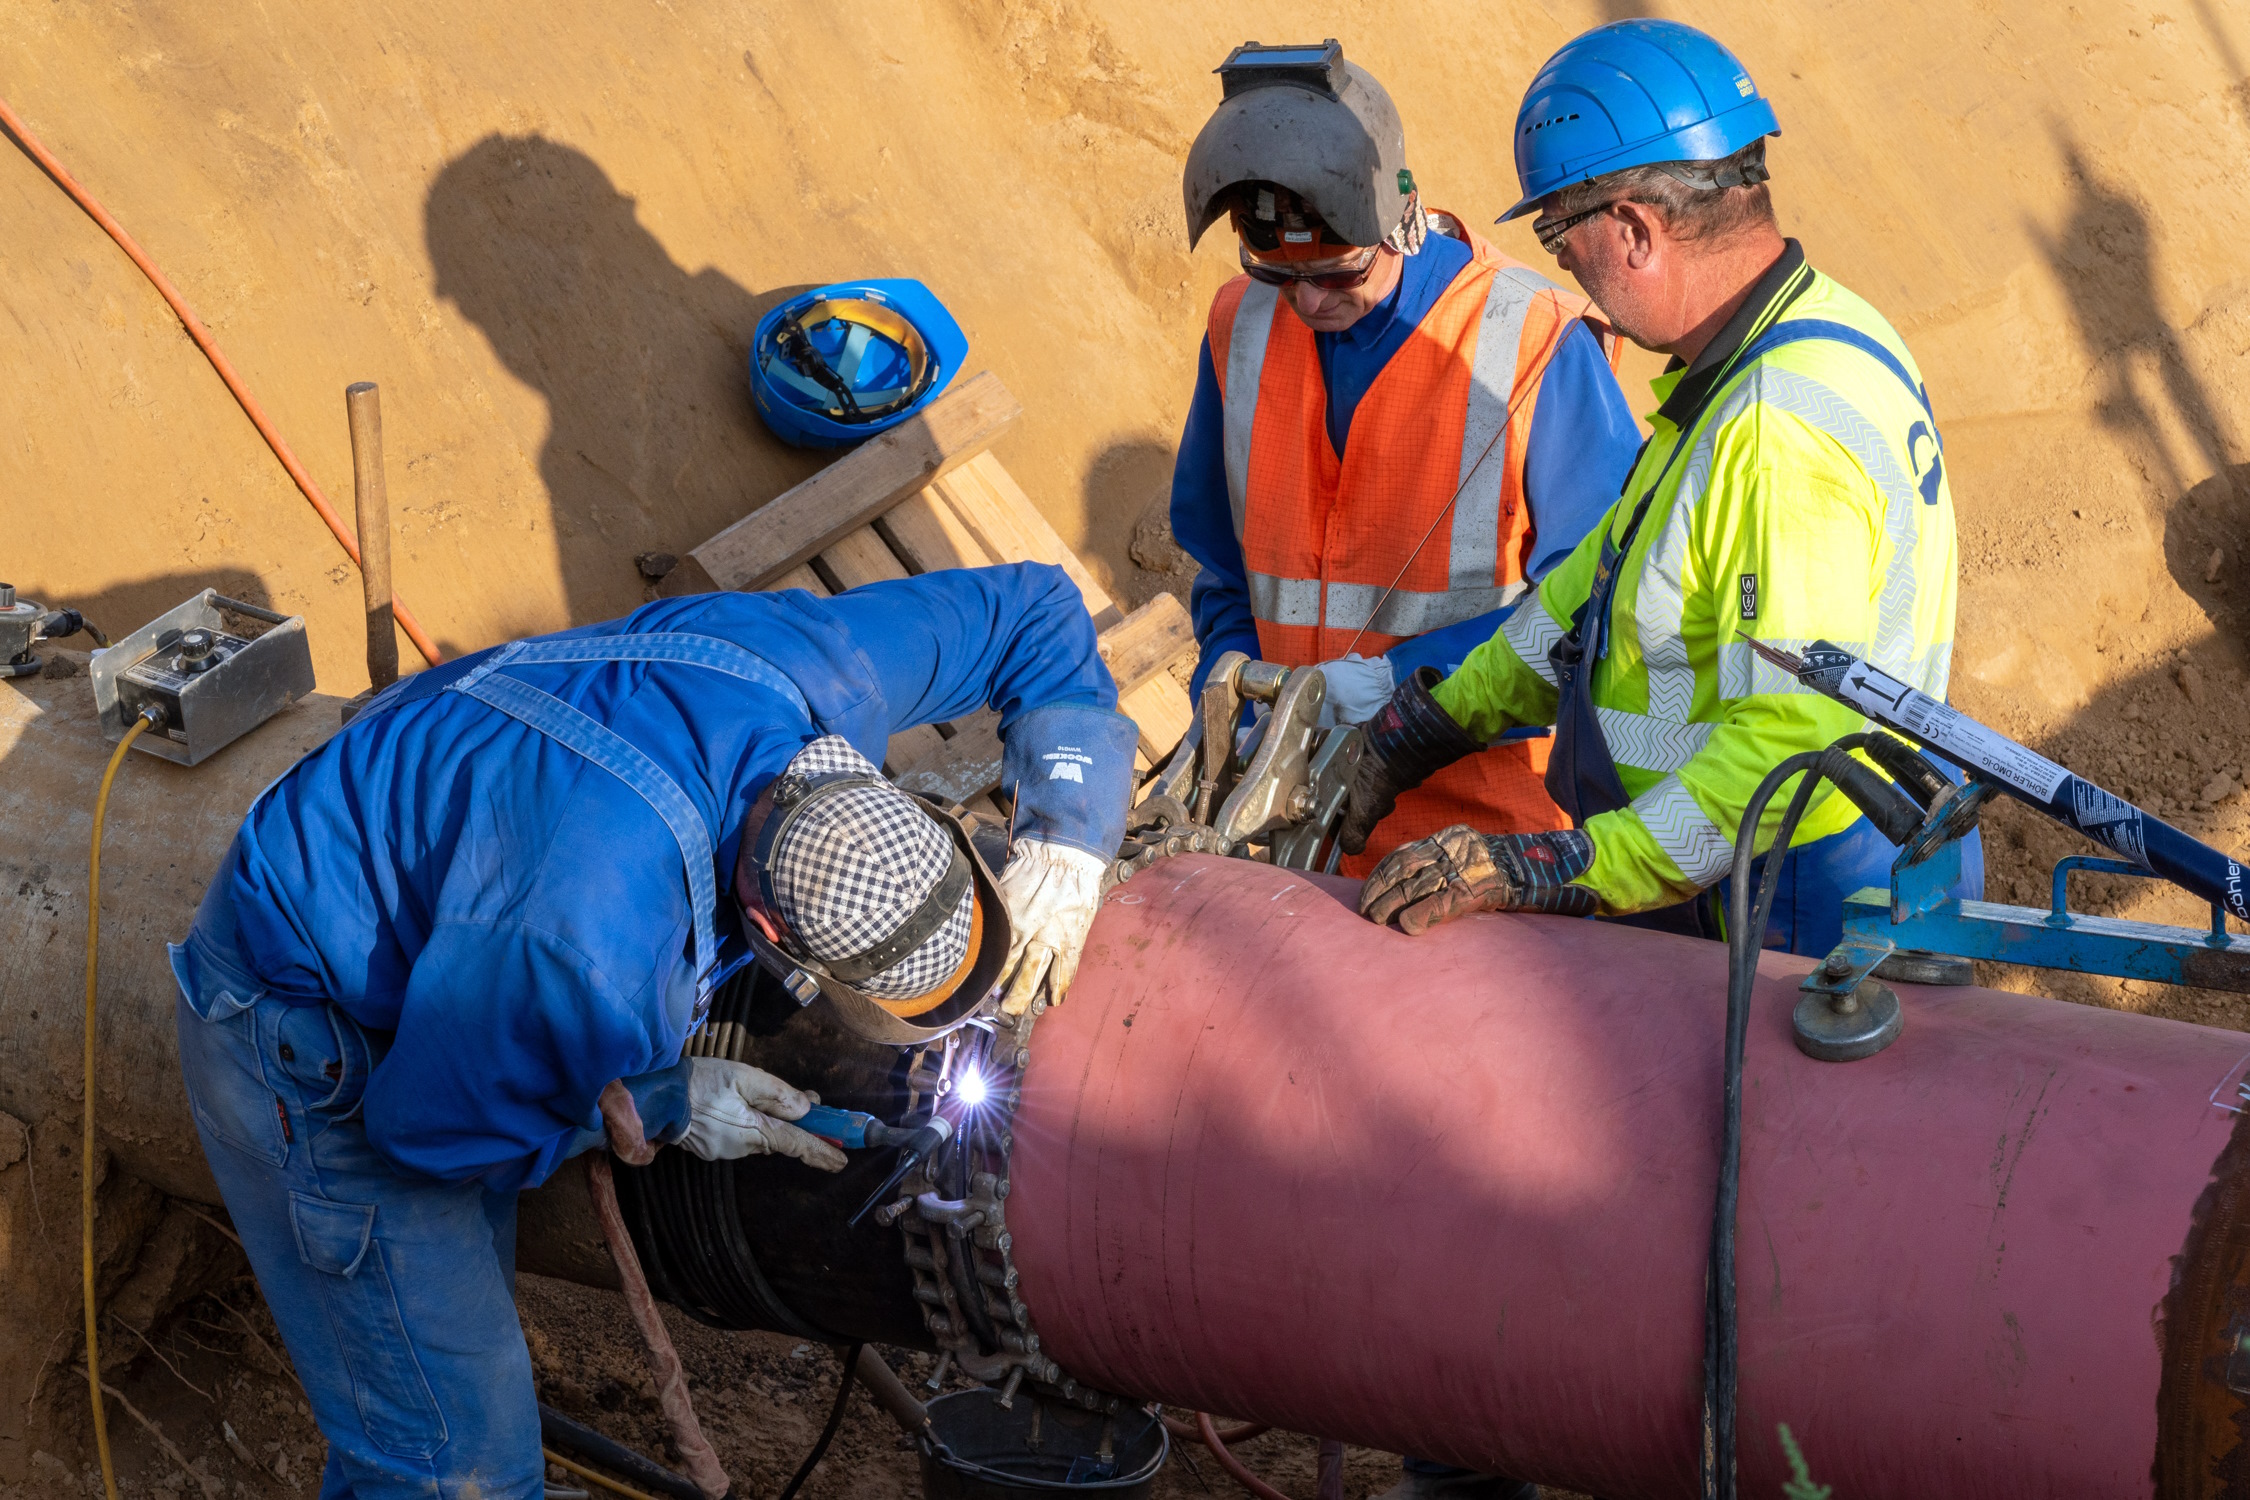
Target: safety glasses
<point x="1341" y="273"/>
<point x="1552" y="232"/>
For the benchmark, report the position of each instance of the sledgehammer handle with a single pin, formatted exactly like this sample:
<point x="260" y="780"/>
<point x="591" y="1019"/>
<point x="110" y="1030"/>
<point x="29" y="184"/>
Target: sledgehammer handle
<point x="373" y="518"/>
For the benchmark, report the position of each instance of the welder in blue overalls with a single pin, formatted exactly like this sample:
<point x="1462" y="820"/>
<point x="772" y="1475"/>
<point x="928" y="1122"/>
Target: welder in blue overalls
<point x="451" y="943"/>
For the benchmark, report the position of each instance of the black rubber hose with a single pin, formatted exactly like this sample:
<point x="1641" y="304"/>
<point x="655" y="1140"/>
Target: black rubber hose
<point x="1746" y="932"/>
<point x="827" y="1433"/>
<point x="565" y="1436"/>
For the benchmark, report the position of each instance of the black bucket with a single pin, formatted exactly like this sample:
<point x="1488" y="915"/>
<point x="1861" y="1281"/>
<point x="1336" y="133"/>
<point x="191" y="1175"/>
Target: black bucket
<point x="987" y="1452"/>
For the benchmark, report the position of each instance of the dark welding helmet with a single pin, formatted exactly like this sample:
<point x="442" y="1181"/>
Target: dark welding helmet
<point x="1304" y="119"/>
<point x="841" y="983"/>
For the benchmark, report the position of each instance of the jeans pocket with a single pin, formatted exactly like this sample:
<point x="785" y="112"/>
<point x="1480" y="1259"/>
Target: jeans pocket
<point x="324" y="1054"/>
<point x="226" y="1083"/>
<point x="396" y="1406"/>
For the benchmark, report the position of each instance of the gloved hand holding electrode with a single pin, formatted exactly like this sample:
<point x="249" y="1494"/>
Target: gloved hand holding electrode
<point x="1052" y="892"/>
<point x="736" y="1110"/>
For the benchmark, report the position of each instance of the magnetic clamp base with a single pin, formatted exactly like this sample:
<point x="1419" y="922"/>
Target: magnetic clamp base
<point x="1916" y="966"/>
<point x="1845" y="1028"/>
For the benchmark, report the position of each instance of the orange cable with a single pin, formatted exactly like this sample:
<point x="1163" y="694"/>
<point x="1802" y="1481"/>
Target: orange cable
<point x="219" y="362"/>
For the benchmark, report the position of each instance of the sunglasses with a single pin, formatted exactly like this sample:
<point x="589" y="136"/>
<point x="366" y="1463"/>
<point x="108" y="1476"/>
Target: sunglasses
<point x="1552" y="232"/>
<point x="1328" y="275"/>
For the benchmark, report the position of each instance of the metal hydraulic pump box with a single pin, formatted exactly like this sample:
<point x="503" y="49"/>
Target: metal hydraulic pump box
<point x="214" y="669"/>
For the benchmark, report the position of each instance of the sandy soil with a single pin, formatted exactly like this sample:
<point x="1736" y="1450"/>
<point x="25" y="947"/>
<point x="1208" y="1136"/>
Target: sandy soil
<point x="762" y="1399"/>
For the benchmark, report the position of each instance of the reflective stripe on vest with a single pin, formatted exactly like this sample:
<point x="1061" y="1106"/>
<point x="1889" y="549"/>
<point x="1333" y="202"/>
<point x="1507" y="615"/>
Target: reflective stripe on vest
<point x="1479" y="525"/>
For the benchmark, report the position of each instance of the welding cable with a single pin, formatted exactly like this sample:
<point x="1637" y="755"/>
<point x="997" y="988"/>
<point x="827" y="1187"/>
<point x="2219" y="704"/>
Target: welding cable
<point x="147" y="719"/>
<point x="1209" y="1432"/>
<point x="1188" y="1432"/>
<point x="219" y="362"/>
<point x="827" y="1433"/>
<point x="1746" y="937"/>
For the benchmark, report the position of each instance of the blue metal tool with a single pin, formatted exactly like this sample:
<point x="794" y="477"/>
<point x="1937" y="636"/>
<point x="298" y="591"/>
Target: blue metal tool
<point x="1916" y="932"/>
<point x="846" y="1127"/>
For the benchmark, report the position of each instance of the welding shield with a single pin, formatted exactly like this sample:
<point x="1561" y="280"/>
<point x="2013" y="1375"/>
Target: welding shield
<point x="1304" y="119"/>
<point x="838" y="983"/>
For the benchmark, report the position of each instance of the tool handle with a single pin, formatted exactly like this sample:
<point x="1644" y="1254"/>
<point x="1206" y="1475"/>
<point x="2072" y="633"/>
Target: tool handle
<point x="372" y="514"/>
<point x="846" y="1127"/>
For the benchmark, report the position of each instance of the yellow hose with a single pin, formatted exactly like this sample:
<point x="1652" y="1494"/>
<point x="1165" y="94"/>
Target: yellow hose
<point x="86" y="1158"/>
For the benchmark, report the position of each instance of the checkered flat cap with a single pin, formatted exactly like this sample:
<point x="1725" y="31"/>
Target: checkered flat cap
<point x="855" y="863"/>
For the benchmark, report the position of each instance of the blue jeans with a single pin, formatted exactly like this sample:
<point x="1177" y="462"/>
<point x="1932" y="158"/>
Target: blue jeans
<point x="395" y="1295"/>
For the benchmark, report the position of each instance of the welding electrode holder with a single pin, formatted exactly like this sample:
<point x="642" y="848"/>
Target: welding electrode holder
<point x="912" y="1152"/>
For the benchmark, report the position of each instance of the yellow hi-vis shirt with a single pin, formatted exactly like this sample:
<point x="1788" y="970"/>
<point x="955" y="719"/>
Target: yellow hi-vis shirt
<point x="1798" y="513"/>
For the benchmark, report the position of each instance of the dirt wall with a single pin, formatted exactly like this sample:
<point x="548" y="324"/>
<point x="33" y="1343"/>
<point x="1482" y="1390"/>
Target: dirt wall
<point x="547" y="231"/>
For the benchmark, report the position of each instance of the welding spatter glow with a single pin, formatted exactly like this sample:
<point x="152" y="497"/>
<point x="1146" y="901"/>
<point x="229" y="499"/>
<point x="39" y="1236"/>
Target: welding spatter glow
<point x="970" y="1087"/>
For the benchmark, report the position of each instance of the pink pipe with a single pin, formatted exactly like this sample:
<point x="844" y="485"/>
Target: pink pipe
<point x="1451" y="1195"/>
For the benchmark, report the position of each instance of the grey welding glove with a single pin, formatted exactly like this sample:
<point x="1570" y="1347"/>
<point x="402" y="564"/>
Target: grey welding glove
<point x="1408" y="741"/>
<point x="737" y="1110"/>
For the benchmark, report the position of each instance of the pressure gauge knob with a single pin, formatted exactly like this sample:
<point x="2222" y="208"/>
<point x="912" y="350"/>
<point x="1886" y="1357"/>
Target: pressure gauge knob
<point x="197" y="652"/>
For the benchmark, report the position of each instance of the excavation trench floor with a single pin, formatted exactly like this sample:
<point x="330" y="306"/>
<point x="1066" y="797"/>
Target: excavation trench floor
<point x="762" y="1399"/>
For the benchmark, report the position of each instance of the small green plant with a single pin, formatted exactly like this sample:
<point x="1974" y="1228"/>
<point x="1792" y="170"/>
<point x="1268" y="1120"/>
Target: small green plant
<point x="1800" y="1485"/>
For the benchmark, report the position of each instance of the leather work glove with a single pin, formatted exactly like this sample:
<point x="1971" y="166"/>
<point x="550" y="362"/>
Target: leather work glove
<point x="1358" y="687"/>
<point x="1409" y="740"/>
<point x="1052" y="891"/>
<point x="737" y="1110"/>
<point x="1460" y="870"/>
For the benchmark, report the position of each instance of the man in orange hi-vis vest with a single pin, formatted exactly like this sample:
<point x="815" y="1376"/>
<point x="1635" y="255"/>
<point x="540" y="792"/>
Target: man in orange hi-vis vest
<point x="1396" y="429"/>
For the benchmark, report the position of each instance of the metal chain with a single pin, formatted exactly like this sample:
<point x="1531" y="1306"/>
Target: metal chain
<point x="959" y="1250"/>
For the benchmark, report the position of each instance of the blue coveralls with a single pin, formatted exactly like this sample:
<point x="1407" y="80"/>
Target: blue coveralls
<point x="438" y="937"/>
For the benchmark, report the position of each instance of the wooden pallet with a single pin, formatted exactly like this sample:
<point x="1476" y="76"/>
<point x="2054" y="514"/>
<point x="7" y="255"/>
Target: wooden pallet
<point x="929" y="495"/>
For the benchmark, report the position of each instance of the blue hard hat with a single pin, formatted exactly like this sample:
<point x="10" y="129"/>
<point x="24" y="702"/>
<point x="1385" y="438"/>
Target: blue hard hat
<point x="1631" y="94"/>
<point x="840" y="363"/>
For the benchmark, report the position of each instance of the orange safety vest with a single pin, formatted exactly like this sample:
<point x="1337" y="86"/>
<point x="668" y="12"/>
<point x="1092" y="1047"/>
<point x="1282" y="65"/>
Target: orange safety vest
<point x="1447" y="423"/>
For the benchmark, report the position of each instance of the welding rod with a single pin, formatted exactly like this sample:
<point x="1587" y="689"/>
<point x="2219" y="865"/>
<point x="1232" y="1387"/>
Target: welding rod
<point x="2071" y="800"/>
<point x="372" y="515"/>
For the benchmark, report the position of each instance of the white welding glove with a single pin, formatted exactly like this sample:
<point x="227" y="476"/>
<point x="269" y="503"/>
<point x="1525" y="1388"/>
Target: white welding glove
<point x="737" y="1110"/>
<point x="1358" y="687"/>
<point x="1053" y="892"/>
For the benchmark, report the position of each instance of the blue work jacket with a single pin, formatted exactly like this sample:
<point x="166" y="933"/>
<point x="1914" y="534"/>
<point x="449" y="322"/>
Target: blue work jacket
<point x="513" y="920"/>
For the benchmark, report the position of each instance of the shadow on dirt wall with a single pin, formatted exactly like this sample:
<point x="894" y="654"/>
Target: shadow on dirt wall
<point x="652" y="444"/>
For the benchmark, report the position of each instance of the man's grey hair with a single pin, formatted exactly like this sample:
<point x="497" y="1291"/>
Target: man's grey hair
<point x="1698" y="199"/>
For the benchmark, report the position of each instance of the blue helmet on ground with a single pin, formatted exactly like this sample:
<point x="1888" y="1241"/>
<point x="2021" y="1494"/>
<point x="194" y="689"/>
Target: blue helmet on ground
<point x="841" y="363"/>
<point x="1631" y="94"/>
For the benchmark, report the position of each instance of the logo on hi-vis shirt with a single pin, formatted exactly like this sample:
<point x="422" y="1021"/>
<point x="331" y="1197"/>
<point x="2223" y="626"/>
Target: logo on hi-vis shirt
<point x="1065" y="761"/>
<point x="1749" y="596"/>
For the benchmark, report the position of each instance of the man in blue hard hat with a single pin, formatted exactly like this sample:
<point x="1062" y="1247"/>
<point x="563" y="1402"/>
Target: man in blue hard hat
<point x="1794" y="488"/>
<point x="469" y="937"/>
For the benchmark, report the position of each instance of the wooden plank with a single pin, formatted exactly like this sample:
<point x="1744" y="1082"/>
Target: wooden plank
<point x="800" y="522"/>
<point x="923" y="530"/>
<point x="987" y="499"/>
<point x="861" y="558"/>
<point x="1160" y="709"/>
<point x="801" y="577"/>
<point x="1147" y="642"/>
